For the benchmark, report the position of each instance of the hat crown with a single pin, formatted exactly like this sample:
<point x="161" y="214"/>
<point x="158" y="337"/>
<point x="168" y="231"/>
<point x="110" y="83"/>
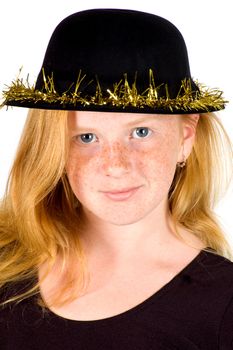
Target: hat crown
<point x="107" y="43"/>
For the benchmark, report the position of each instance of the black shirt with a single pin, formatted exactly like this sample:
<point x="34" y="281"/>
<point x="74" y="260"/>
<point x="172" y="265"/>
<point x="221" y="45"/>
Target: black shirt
<point x="193" y="311"/>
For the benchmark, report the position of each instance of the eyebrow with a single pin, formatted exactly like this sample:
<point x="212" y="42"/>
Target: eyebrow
<point x="141" y="120"/>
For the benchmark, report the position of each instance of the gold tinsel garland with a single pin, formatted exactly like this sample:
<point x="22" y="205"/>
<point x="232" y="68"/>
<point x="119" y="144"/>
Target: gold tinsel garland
<point x="121" y="95"/>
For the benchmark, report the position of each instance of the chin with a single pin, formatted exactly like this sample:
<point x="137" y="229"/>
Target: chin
<point x="122" y="222"/>
<point x="122" y="215"/>
<point x="122" y="218"/>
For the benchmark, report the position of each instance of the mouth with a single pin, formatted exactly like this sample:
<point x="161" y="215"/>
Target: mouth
<point x="120" y="195"/>
<point x="120" y="191"/>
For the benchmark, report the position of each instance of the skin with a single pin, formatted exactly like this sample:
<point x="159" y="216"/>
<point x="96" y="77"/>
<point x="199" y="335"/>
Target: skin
<point x="116" y="157"/>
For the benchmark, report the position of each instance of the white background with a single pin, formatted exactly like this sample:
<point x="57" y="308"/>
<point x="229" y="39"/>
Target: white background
<point x="27" y="25"/>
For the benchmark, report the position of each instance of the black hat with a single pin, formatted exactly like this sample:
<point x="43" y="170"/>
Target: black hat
<point x="119" y="61"/>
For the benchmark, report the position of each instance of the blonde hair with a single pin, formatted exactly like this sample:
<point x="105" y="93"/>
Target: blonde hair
<point x="39" y="213"/>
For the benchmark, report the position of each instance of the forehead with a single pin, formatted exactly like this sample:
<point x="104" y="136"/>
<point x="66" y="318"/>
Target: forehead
<point x="88" y="118"/>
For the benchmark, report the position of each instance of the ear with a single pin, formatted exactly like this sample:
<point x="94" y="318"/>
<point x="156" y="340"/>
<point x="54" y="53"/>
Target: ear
<point x="188" y="132"/>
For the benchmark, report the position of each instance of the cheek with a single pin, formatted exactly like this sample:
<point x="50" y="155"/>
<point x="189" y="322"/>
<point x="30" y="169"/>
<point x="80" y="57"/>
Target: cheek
<point x="159" y="163"/>
<point x="80" y="171"/>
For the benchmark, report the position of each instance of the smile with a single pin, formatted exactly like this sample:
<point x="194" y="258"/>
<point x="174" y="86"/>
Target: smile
<point x="121" y="196"/>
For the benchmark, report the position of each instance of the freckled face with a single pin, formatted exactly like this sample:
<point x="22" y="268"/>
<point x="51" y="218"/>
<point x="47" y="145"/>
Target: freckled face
<point x="115" y="151"/>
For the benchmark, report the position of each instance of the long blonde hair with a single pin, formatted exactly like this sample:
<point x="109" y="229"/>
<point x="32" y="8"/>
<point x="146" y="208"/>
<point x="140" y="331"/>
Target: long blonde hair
<point x="39" y="213"/>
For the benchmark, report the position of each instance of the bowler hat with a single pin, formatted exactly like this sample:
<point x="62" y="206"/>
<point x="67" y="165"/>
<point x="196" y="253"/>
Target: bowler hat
<point x="119" y="61"/>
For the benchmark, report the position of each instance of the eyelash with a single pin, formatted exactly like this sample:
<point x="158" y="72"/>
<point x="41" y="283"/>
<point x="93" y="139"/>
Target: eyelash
<point x="78" y="137"/>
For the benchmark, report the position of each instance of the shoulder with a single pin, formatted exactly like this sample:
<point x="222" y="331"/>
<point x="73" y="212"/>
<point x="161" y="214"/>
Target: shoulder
<point x="224" y="277"/>
<point x="214" y="261"/>
<point x="212" y="277"/>
<point x="209" y="281"/>
<point x="16" y="316"/>
<point x="9" y="303"/>
<point x="215" y="269"/>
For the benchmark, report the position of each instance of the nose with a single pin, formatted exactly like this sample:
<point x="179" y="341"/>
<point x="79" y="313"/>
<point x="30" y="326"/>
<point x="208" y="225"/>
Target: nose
<point x="116" y="160"/>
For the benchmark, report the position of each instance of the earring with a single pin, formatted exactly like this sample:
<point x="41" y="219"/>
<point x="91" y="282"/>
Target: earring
<point x="182" y="164"/>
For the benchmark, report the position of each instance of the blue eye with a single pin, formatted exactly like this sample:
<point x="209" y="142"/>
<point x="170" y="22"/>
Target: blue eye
<point x="86" y="138"/>
<point x="142" y="132"/>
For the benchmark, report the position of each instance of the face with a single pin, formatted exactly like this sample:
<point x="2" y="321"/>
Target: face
<point x="119" y="151"/>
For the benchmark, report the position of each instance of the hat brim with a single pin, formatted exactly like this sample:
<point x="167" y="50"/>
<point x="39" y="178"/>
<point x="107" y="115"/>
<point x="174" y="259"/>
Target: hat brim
<point x="123" y="98"/>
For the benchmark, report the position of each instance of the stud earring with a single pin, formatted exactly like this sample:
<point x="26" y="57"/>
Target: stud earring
<point x="182" y="164"/>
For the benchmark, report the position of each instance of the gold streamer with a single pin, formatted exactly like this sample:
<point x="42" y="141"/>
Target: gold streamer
<point x="121" y="95"/>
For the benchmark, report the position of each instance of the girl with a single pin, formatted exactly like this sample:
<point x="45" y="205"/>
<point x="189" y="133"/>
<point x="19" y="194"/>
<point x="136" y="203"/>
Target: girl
<point x="107" y="232"/>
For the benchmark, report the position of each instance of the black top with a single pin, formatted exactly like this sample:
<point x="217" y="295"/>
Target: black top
<point x="193" y="311"/>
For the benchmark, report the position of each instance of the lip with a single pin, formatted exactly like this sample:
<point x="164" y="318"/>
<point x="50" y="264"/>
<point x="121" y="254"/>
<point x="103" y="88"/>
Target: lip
<point x="122" y="194"/>
<point x="121" y="191"/>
